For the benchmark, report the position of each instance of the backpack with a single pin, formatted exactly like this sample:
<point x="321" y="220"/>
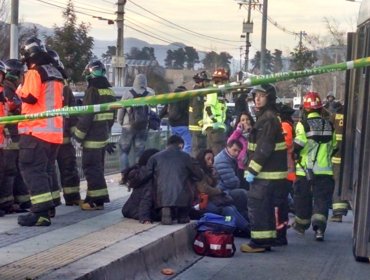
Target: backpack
<point x="214" y="236"/>
<point x="138" y="115"/>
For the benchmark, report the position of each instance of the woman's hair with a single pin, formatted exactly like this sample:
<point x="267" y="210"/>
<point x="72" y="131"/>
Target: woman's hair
<point x="240" y="116"/>
<point x="201" y="159"/>
<point x="146" y="155"/>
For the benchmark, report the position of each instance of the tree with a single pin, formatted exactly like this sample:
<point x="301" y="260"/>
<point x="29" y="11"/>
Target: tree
<point x="111" y="51"/>
<point x="269" y="63"/>
<point x="179" y="58"/>
<point x="169" y="59"/>
<point x="277" y="62"/>
<point x="191" y="57"/>
<point x="213" y="60"/>
<point x="72" y="43"/>
<point x="145" y="53"/>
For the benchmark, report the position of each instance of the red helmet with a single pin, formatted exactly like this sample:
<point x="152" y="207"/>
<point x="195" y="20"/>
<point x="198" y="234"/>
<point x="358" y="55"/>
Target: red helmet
<point x="312" y="100"/>
<point x="220" y="74"/>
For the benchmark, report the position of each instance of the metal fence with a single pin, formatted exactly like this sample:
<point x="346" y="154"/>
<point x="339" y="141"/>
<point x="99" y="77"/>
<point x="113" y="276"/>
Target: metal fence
<point x="156" y="139"/>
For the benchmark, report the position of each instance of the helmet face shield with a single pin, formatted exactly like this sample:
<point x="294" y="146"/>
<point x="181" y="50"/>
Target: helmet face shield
<point x="94" y="69"/>
<point x="31" y="47"/>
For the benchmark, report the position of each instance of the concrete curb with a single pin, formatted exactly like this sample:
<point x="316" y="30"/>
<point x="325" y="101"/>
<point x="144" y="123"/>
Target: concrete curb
<point x="141" y="256"/>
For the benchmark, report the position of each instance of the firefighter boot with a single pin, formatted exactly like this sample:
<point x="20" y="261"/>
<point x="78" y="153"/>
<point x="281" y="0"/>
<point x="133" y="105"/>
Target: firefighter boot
<point x="336" y="218"/>
<point x="319" y="235"/>
<point x="34" y="219"/>
<point x="250" y="248"/>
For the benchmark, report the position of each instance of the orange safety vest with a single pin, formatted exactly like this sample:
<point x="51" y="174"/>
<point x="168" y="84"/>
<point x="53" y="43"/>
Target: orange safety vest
<point x="49" y="95"/>
<point x="288" y="136"/>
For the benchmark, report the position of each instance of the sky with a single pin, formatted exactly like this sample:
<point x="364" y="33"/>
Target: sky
<point x="217" y="23"/>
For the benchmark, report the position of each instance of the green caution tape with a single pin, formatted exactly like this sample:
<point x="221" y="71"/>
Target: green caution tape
<point x="171" y="97"/>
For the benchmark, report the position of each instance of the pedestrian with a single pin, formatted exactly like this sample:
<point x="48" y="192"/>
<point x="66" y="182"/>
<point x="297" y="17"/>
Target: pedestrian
<point x="92" y="133"/>
<point x="18" y="198"/>
<point x="2" y="140"/>
<point x="178" y="118"/>
<point x="66" y="157"/>
<point x="340" y="206"/>
<point x="42" y="90"/>
<point x="173" y="169"/>
<point x="214" y="114"/>
<point x="196" y="106"/>
<point x="313" y="145"/>
<point x="266" y="170"/>
<point x="134" y="122"/>
<point x="244" y="123"/>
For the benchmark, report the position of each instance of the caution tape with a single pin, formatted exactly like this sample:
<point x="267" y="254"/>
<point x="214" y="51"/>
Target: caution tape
<point x="172" y="97"/>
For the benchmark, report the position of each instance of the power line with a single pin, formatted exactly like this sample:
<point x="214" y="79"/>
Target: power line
<point x="181" y="27"/>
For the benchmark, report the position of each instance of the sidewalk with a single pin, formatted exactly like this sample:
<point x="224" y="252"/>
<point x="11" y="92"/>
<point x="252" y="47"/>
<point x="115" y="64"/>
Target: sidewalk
<point x="92" y="244"/>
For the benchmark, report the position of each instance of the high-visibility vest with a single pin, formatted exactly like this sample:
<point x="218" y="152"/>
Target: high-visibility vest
<point x="288" y="136"/>
<point x="218" y="108"/>
<point x="338" y="128"/>
<point x="45" y="83"/>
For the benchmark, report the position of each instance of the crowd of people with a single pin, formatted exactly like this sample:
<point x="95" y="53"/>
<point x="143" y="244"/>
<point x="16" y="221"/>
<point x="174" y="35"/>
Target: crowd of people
<point x="257" y="172"/>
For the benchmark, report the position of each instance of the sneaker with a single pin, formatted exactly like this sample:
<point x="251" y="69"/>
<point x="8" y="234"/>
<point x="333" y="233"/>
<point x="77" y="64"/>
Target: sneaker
<point x="34" y="219"/>
<point x="73" y="202"/>
<point x="319" y="235"/>
<point x="91" y="206"/>
<point x="336" y="218"/>
<point x="166" y="216"/>
<point x="248" y="248"/>
<point x="298" y="229"/>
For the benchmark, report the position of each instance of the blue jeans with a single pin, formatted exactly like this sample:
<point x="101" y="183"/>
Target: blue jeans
<point x="184" y="133"/>
<point x="240" y="221"/>
<point x="130" y="137"/>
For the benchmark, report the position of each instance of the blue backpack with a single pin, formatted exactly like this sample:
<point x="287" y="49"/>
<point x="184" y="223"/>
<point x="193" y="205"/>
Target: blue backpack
<point x="216" y="223"/>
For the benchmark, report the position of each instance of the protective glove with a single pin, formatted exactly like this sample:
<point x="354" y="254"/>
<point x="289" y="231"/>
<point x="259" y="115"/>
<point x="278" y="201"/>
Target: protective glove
<point x="110" y="148"/>
<point x="249" y="177"/>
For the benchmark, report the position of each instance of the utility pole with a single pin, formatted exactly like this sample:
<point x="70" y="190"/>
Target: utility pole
<point x="118" y="61"/>
<point x="14" y="29"/>
<point x="263" y="37"/>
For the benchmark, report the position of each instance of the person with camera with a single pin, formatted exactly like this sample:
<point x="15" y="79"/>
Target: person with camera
<point x="313" y="146"/>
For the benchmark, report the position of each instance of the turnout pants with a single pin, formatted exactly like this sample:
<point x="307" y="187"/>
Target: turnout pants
<point x="262" y="198"/>
<point x="93" y="168"/>
<point x="37" y="164"/>
<point x="69" y="177"/>
<point x="340" y="207"/>
<point x="312" y="200"/>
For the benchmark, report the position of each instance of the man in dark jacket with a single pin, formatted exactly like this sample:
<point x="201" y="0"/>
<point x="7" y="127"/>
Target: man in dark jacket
<point x="93" y="131"/>
<point x="172" y="169"/>
<point x="178" y="118"/>
<point x="266" y="171"/>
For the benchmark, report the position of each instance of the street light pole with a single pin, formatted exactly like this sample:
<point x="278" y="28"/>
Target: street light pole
<point x="118" y="61"/>
<point x="247" y="43"/>
<point x="14" y="29"/>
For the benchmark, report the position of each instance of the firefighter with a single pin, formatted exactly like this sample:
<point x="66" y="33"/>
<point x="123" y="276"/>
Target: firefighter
<point x="92" y="133"/>
<point x="66" y="157"/>
<point x="198" y="140"/>
<point x="214" y="114"/>
<point x="3" y="196"/>
<point x="13" y="184"/>
<point x="266" y="170"/>
<point x="340" y="207"/>
<point x="40" y="139"/>
<point x="313" y="147"/>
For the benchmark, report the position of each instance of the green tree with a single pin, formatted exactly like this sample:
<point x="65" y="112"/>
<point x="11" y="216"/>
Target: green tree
<point x="72" y="43"/>
<point x="277" y="62"/>
<point x="191" y="57"/>
<point x="168" y="62"/>
<point x="111" y="51"/>
<point x="179" y="58"/>
<point x="146" y="53"/>
<point x="256" y="62"/>
<point x="302" y="58"/>
<point x="214" y="60"/>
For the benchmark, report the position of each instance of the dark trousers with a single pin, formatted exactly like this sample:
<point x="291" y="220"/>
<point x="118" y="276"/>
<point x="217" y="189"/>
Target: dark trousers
<point x="93" y="168"/>
<point x="262" y="198"/>
<point x="281" y="207"/>
<point x="13" y="188"/>
<point x="312" y="200"/>
<point x="69" y="178"/>
<point x="37" y="164"/>
<point x="198" y="142"/>
<point x="340" y="207"/>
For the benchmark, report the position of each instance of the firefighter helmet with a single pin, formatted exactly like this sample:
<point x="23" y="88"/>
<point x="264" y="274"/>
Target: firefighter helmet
<point x="55" y="56"/>
<point x="14" y="68"/>
<point x="269" y="89"/>
<point x="220" y="74"/>
<point x="201" y="77"/>
<point x="94" y="69"/>
<point x="31" y="47"/>
<point x="312" y="100"/>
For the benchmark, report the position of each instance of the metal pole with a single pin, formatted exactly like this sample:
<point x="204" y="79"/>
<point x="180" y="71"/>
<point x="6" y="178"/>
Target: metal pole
<point x="263" y="38"/>
<point x="119" y="64"/>
<point x="14" y="29"/>
<point x="247" y="43"/>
